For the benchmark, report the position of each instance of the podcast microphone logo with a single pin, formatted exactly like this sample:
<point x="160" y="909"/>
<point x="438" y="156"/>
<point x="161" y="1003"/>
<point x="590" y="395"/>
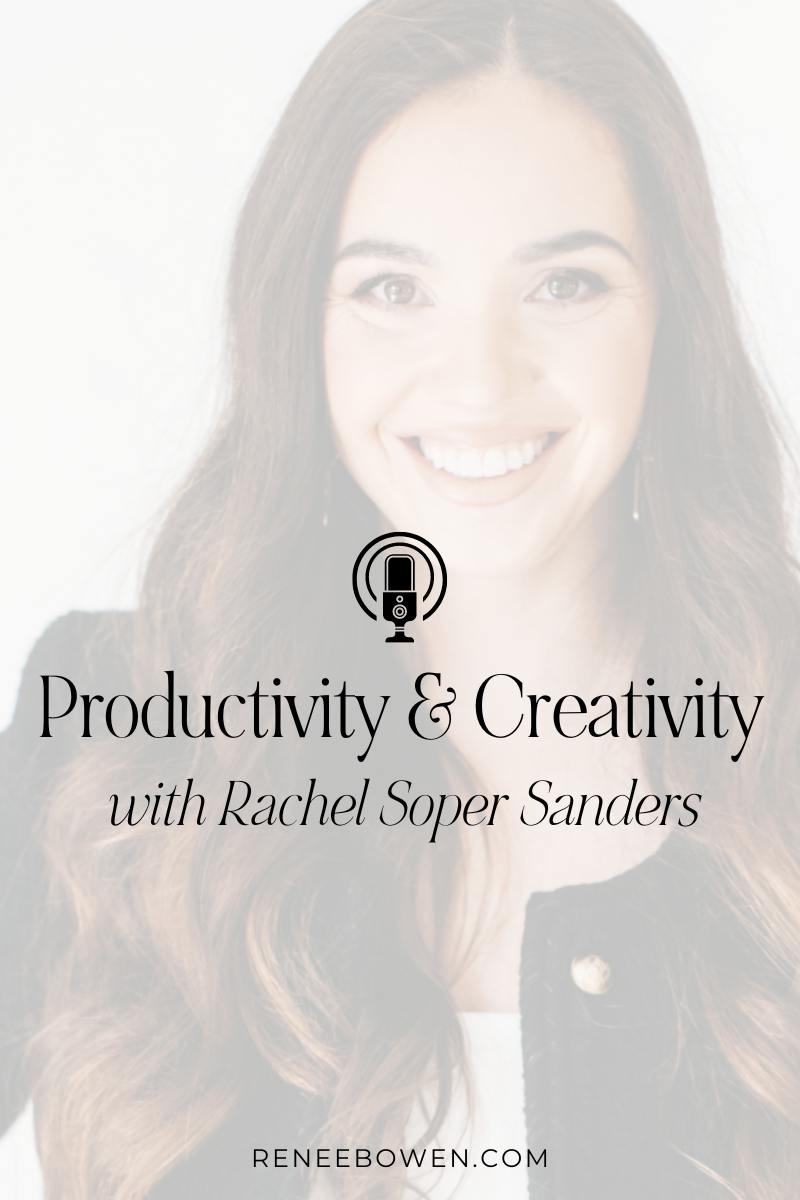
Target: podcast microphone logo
<point x="403" y="554"/>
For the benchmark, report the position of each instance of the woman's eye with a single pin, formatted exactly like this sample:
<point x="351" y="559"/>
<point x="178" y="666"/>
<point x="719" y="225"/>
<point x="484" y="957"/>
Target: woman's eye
<point x="563" y="287"/>
<point x="391" y="290"/>
<point x="560" y="287"/>
<point x="399" y="291"/>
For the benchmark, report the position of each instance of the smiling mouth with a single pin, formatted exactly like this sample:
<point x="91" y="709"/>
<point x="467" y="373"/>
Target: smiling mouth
<point x="483" y="462"/>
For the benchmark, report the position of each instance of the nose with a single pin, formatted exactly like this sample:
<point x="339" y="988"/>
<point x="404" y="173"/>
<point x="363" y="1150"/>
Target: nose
<point x="482" y="361"/>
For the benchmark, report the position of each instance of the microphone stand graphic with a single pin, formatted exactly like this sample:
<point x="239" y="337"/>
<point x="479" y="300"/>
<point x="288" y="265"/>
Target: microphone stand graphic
<point x="399" y="596"/>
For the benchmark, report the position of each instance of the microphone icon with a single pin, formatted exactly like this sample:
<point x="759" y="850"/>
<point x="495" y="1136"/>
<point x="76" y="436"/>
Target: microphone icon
<point x="402" y="554"/>
<point x="399" y="596"/>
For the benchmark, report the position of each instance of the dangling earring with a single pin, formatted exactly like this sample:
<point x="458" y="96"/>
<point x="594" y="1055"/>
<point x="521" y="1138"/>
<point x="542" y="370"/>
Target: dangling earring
<point x="637" y="478"/>
<point x="326" y="493"/>
<point x="638" y="468"/>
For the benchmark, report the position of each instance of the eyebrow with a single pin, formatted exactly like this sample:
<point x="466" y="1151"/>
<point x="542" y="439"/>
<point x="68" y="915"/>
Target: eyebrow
<point x="398" y="252"/>
<point x="531" y="252"/>
<point x="579" y="239"/>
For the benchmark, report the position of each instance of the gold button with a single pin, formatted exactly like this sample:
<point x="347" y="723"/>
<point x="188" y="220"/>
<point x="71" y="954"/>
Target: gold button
<point x="591" y="974"/>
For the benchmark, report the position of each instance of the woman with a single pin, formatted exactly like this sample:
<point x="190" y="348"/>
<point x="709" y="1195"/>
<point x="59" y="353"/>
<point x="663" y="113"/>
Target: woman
<point x="477" y="293"/>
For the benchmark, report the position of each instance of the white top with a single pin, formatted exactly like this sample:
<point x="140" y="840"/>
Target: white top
<point x="494" y="1052"/>
<point x="20" y="1173"/>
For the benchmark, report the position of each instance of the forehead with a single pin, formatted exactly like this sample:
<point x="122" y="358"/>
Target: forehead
<point x="498" y="159"/>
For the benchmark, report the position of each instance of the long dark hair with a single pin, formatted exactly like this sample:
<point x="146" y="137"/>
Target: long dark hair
<point x="238" y="578"/>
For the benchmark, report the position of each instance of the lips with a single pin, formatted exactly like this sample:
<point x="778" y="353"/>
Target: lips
<point x="482" y="467"/>
<point x="456" y="457"/>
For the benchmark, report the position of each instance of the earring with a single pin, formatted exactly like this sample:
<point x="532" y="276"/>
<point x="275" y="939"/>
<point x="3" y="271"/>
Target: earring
<point x="637" y="478"/>
<point x="326" y="492"/>
<point x="638" y="468"/>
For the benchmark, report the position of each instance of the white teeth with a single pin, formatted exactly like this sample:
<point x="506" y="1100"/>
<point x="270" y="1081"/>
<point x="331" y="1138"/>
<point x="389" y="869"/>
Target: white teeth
<point x="482" y="462"/>
<point x="471" y="464"/>
<point x="437" y="456"/>
<point x="494" y="463"/>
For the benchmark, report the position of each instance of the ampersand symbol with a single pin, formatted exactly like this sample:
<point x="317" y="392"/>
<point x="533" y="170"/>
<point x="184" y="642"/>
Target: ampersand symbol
<point x="445" y="704"/>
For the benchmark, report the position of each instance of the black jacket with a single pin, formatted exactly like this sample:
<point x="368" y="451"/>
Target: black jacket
<point x="625" y="1085"/>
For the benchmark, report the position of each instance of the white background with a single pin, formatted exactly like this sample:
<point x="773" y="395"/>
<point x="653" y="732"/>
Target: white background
<point x="129" y="134"/>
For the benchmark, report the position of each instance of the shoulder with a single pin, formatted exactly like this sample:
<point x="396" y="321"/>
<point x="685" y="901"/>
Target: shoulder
<point x="79" y="646"/>
<point x="84" y="648"/>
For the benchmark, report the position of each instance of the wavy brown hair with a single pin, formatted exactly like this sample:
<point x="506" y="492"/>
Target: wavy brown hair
<point x="180" y="955"/>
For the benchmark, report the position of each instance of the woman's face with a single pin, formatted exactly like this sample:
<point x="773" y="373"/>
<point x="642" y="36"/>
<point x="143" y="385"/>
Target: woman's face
<point x="489" y="324"/>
